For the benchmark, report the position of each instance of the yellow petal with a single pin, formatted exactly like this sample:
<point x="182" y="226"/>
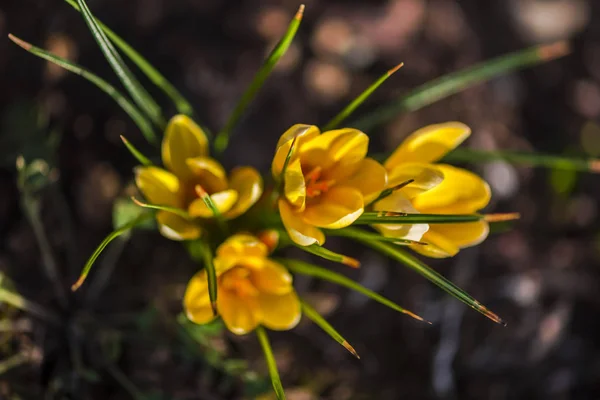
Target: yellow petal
<point x="370" y="178"/>
<point x="298" y="230"/>
<point x="337" y="208"/>
<point x="196" y="300"/>
<point x="294" y="187"/>
<point x="175" y="227"/>
<point x="429" y="144"/>
<point x="463" y="235"/>
<point x="426" y="177"/>
<point x="344" y="146"/>
<point x="461" y="192"/>
<point x="249" y="185"/>
<point x="302" y="133"/>
<point x="224" y="201"/>
<point x="240" y="315"/>
<point x="183" y="139"/>
<point x="272" y="278"/>
<point x="437" y="246"/>
<point x="209" y="173"/>
<point x="279" y="312"/>
<point x="397" y="202"/>
<point x="158" y="186"/>
<point x="242" y="245"/>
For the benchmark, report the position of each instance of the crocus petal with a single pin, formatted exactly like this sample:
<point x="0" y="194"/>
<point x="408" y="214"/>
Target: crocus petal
<point x="298" y="230"/>
<point x="463" y="235"/>
<point x="158" y="186"/>
<point x="196" y="300"/>
<point x="398" y="202"/>
<point x="370" y="178"/>
<point x="175" y="227"/>
<point x="344" y="146"/>
<point x="209" y="173"/>
<point x="429" y="144"/>
<point x="249" y="185"/>
<point x="337" y="208"/>
<point x="302" y="133"/>
<point x="426" y="177"/>
<point x="279" y="312"/>
<point x="223" y="202"/>
<point x="239" y="314"/>
<point x="183" y="139"/>
<point x="461" y="192"/>
<point x="272" y="278"/>
<point x="242" y="245"/>
<point x="438" y="246"/>
<point x="294" y="186"/>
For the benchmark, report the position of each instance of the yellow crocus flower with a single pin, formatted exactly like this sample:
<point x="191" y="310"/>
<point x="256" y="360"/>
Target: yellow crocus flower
<point x="189" y="173"/>
<point x="437" y="189"/>
<point x="327" y="182"/>
<point x="252" y="289"/>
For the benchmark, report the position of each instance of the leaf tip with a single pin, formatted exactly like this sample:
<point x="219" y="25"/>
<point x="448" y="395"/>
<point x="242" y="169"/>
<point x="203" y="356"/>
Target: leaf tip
<point x="350" y="349"/>
<point x="78" y="284"/>
<point x="594" y="166"/>
<point x="501" y="217"/>
<point x="299" y="13"/>
<point x="19" y="42"/>
<point x="554" y="50"/>
<point x="396" y="68"/>
<point x="415" y="316"/>
<point x="350" y="262"/>
<point x="213" y="306"/>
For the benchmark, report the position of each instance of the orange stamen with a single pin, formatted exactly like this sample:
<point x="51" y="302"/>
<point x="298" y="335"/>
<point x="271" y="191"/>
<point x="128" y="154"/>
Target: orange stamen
<point x="314" y="186"/>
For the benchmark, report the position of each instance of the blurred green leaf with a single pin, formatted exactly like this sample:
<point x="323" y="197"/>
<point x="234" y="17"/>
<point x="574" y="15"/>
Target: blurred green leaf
<point x="271" y="363"/>
<point x="387" y="217"/>
<point x="327" y="254"/>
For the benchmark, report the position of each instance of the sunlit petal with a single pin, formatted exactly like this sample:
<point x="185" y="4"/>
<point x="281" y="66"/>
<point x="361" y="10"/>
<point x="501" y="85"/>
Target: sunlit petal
<point x="223" y="201"/>
<point x="438" y="246"/>
<point x="249" y="185"/>
<point x="344" y="146"/>
<point x="298" y="230"/>
<point x="158" y="186"/>
<point x="303" y="133"/>
<point x="279" y="312"/>
<point x="175" y="227"/>
<point x="196" y="301"/>
<point x="294" y="185"/>
<point x="370" y="178"/>
<point x="337" y="208"/>
<point x="242" y="245"/>
<point x="398" y="202"/>
<point x="183" y="139"/>
<point x="209" y="173"/>
<point x="272" y="278"/>
<point x="240" y="315"/>
<point x="426" y="177"/>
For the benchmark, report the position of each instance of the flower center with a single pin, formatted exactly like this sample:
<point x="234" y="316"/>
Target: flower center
<point x="238" y="281"/>
<point x="314" y="184"/>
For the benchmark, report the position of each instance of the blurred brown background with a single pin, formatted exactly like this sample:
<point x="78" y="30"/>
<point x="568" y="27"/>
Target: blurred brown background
<point x="542" y="276"/>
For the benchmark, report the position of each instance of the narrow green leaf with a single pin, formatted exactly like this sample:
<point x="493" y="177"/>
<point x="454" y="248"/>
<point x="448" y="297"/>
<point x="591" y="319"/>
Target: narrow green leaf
<point x="359" y="233"/>
<point x="112" y="236"/>
<point x="174" y="210"/>
<point x="315" y="317"/>
<point x="138" y="118"/>
<point x="301" y="267"/>
<point x="286" y="163"/>
<point x="390" y="217"/>
<point x="385" y="193"/>
<point x="141" y="97"/>
<point x="329" y="255"/>
<point x="455" y="82"/>
<point x="271" y="364"/>
<point x="142" y="159"/>
<point x="211" y="273"/>
<point x="416" y="265"/>
<point x="222" y="139"/>
<point x="212" y="206"/>
<point x="182" y="105"/>
<point x="531" y="159"/>
<point x="346" y="112"/>
<point x="18" y="301"/>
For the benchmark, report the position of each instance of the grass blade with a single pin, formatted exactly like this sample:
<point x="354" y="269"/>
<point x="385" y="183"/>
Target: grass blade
<point x="359" y="233"/>
<point x="211" y="273"/>
<point x="455" y="82"/>
<point x="140" y="96"/>
<point x="531" y="159"/>
<point x="315" y="317"/>
<point x="222" y="139"/>
<point x="301" y="267"/>
<point x="177" y="211"/>
<point x="350" y="108"/>
<point x="390" y="217"/>
<point x="112" y="236"/>
<point x="329" y="255"/>
<point x="20" y="302"/>
<point x="416" y="265"/>
<point x="142" y="159"/>
<point x="138" y="118"/>
<point x="271" y="364"/>
<point x="182" y="105"/>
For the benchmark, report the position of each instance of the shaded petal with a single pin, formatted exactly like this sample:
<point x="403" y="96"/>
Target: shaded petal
<point x="426" y="177"/>
<point x="249" y="185"/>
<point x="429" y="144"/>
<point x="196" y="300"/>
<point x="272" y="278"/>
<point x="370" y="178"/>
<point x="343" y="146"/>
<point x="279" y="312"/>
<point x="242" y="245"/>
<point x="461" y="192"/>
<point x="158" y="186"/>
<point x="298" y="230"/>
<point x="398" y="202"/>
<point x="209" y="173"/>
<point x="303" y="133"/>
<point x="337" y="208"/>
<point x="294" y="187"/>
<point x="240" y="315"/>
<point x="438" y="246"/>
<point x="175" y="227"/>
<point x="183" y="139"/>
<point x="224" y="201"/>
<point x="463" y="235"/>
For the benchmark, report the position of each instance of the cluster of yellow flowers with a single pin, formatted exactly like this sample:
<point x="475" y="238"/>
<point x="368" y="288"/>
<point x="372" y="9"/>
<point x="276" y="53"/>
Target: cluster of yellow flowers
<point x="324" y="181"/>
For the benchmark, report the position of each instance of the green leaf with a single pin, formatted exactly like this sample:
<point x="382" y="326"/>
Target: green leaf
<point x="315" y="317"/>
<point x="211" y="273"/>
<point x="359" y="233"/>
<point x="346" y="112"/>
<point x="329" y="255"/>
<point x="174" y="210"/>
<point x="222" y="139"/>
<point x="390" y="217"/>
<point x="182" y="105"/>
<point x="455" y="82"/>
<point x="112" y="236"/>
<point x="142" y="159"/>
<point x="416" y="265"/>
<point x="271" y="364"/>
<point x="303" y="268"/>
<point x="138" y="118"/>
<point x="124" y="211"/>
<point x="531" y="159"/>
<point x="141" y="97"/>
